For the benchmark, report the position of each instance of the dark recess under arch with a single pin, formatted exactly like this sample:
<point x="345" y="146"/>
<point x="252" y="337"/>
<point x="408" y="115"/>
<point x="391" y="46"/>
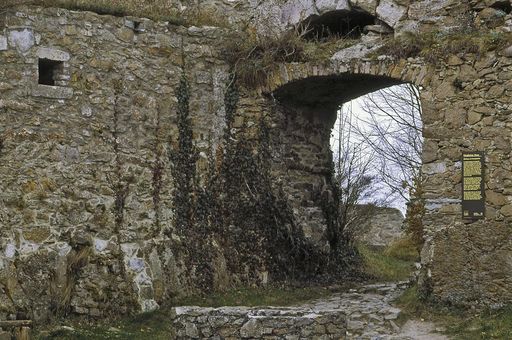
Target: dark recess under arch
<point x="340" y="24"/>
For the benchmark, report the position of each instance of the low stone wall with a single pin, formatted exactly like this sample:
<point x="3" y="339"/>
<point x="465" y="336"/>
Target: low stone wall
<point x="362" y="313"/>
<point x="269" y="323"/>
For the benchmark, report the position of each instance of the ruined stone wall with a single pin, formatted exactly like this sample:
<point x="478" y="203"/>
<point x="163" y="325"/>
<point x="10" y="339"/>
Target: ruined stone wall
<point x="88" y="205"/>
<point x="383" y="226"/>
<point x="86" y="217"/>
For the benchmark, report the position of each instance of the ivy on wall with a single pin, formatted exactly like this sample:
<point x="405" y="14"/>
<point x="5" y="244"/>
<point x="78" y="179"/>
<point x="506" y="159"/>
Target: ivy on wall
<point x="183" y="160"/>
<point x="237" y="210"/>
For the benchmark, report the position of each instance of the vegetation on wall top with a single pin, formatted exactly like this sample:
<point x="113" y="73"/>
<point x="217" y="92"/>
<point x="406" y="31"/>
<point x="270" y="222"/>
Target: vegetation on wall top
<point x="435" y="46"/>
<point x="159" y="10"/>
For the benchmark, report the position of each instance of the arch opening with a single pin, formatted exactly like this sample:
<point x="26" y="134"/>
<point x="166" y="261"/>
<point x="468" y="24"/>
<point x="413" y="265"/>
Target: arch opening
<point x="309" y="109"/>
<point x="504" y="6"/>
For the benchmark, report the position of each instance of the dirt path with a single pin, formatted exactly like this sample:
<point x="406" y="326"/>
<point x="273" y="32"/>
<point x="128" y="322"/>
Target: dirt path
<point x="420" y="330"/>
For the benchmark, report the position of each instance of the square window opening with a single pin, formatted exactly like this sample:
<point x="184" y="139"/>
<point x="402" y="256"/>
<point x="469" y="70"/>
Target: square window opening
<point x="49" y="71"/>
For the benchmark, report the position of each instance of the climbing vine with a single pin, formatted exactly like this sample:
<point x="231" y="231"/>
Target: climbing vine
<point x="157" y="170"/>
<point x="183" y="160"/>
<point x="119" y="186"/>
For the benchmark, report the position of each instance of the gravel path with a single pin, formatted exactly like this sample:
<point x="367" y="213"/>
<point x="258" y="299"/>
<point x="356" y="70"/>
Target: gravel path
<point x="371" y="315"/>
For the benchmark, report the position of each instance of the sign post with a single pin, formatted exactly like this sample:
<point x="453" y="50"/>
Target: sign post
<point x="473" y="191"/>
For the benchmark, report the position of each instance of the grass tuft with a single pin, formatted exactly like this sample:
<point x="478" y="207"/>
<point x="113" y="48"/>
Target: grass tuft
<point x="254" y="57"/>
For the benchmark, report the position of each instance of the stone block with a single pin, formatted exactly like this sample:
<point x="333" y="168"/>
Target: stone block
<point x="324" y="6"/>
<point x="3" y="43"/>
<point x="52" y="54"/>
<point x="434" y="168"/>
<point x="22" y="39"/>
<point x="390" y="12"/>
<point x="56" y="92"/>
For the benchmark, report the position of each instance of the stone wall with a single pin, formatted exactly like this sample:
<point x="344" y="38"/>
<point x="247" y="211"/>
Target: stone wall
<point x="90" y="219"/>
<point x="383" y="226"/>
<point x="81" y="226"/>
<point x="262" y="323"/>
<point x="363" y="313"/>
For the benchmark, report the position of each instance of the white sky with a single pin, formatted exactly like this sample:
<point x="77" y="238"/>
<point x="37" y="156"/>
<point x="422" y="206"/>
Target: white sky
<point x="359" y="116"/>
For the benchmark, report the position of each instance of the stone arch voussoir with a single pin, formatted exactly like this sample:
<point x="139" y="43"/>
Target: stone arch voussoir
<point x="401" y="70"/>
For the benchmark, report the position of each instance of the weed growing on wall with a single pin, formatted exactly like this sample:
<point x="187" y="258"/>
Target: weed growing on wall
<point x="254" y="57"/>
<point x="414" y="216"/>
<point x="61" y="295"/>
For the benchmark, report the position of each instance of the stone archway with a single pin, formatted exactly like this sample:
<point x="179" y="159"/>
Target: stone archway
<point x="309" y="97"/>
<point x="464" y="108"/>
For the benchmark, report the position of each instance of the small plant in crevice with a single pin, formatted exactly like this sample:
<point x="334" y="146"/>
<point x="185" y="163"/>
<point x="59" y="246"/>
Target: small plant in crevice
<point x="457" y="84"/>
<point x="62" y="295"/>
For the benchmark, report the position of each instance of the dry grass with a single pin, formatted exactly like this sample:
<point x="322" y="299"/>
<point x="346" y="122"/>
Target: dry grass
<point x="254" y="57"/>
<point x="160" y="10"/>
<point x="436" y="47"/>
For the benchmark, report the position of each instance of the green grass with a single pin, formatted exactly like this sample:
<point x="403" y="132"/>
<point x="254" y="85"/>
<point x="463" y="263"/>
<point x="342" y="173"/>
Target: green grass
<point x="155" y="325"/>
<point x="257" y="297"/>
<point x="389" y="264"/>
<point x="403" y="249"/>
<point x="459" y="323"/>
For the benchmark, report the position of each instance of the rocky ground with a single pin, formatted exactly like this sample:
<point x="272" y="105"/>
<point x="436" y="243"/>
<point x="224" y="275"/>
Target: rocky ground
<point x="363" y="313"/>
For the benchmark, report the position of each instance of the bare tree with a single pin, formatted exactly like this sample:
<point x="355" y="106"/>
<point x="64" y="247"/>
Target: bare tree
<point x="382" y="140"/>
<point x="353" y="159"/>
<point x="391" y="126"/>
